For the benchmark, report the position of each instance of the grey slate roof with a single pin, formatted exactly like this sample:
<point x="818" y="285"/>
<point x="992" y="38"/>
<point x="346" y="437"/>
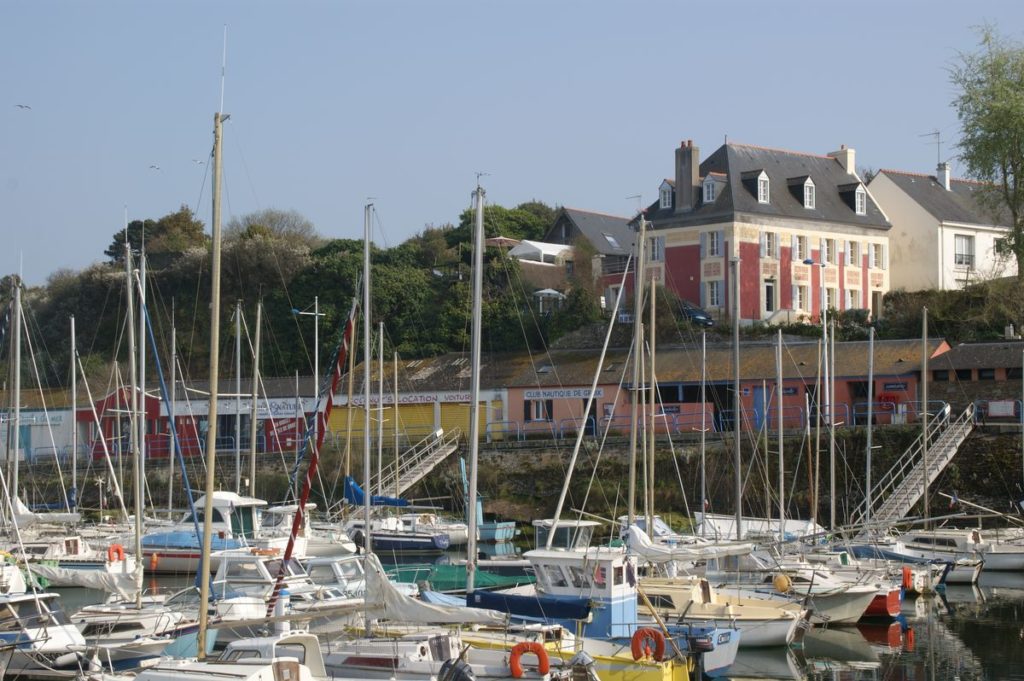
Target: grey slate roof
<point x="740" y="163"/>
<point x="999" y="354"/>
<point x="959" y="204"/>
<point x="594" y="226"/>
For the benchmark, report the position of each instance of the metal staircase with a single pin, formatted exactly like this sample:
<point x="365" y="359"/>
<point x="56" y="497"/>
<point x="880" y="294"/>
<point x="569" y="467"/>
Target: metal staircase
<point x="415" y="463"/>
<point x="899" y="489"/>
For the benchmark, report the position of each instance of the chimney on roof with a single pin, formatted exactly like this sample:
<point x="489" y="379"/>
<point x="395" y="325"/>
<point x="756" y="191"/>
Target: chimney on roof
<point x="942" y="175"/>
<point x="687" y="176"/>
<point x="846" y="157"/>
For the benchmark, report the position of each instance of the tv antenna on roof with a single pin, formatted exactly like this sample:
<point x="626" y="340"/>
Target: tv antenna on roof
<point x="937" y="134"/>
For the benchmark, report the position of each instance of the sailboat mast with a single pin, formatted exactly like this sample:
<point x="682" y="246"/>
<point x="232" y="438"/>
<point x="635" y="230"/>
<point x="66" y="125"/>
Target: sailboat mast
<point x="782" y="468"/>
<point x="135" y="420"/>
<point x="171" y="414"/>
<point x="652" y="438"/>
<point x="638" y="278"/>
<point x="15" y="422"/>
<point x="474" y="385"/>
<point x="380" y="410"/>
<point x="924" y="412"/>
<point x="211" y="433"/>
<point x="871" y="422"/>
<point x="141" y="424"/>
<point x="367" y="356"/>
<point x="394" y="414"/>
<point x="831" y="366"/>
<point x="238" y="397"/>
<point x="74" y="412"/>
<point x="253" y="413"/>
<point x="737" y="410"/>
<point x="703" y="429"/>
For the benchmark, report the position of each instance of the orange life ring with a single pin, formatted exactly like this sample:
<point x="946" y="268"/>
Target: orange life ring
<point x="908" y="578"/>
<point x="641" y="643"/>
<point x="516" y="667"/>
<point x="115" y="552"/>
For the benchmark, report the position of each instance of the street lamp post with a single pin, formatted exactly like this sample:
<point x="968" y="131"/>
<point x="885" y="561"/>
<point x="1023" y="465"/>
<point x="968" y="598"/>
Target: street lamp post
<point x="316" y="314"/>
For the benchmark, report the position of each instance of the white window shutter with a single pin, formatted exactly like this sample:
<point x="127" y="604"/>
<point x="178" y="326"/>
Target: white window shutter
<point x="871" y="255"/>
<point x="762" y="239"/>
<point x="821" y="249"/>
<point x="885" y="257"/>
<point x="703" y="244"/>
<point x="794" y="296"/>
<point x="703" y="294"/>
<point x="793" y="246"/>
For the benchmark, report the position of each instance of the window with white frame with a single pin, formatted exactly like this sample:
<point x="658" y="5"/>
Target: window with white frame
<point x="963" y="251"/>
<point x="769" y="295"/>
<point x="808" y="193"/>
<point x="657" y="249"/>
<point x="861" y="201"/>
<point x="800" y="248"/>
<point x="830" y="298"/>
<point x="762" y="188"/>
<point x="853" y="253"/>
<point x="709" y="191"/>
<point x="875" y="255"/>
<point x="771" y="245"/>
<point x="714" y="294"/>
<point x="828" y="251"/>
<point x="666" y="196"/>
<point x="852" y="299"/>
<point x="538" y="410"/>
<point x="800" y="299"/>
<point x="714" y="243"/>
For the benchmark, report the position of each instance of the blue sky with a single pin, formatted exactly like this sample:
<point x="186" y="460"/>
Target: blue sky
<point x="576" y="103"/>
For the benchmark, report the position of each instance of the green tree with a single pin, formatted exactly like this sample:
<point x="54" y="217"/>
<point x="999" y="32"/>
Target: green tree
<point x="165" y="239"/>
<point x="990" y="107"/>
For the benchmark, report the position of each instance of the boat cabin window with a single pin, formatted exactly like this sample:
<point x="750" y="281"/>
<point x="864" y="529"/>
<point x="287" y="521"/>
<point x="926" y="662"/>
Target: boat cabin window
<point x="579" y="577"/>
<point x="553" y="575"/>
<point x="97" y="629"/>
<point x="618" y="575"/>
<point x="244" y="522"/>
<point x="321" y="574"/>
<point x="294" y="569"/>
<point x="237" y="569"/>
<point x="658" y="601"/>
<point x="240" y="654"/>
<point x="8" y="619"/>
<point x="936" y="541"/>
<point x="291" y="650"/>
<point x="218" y="517"/>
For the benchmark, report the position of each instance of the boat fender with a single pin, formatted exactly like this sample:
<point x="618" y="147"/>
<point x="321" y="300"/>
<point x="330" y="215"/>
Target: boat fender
<point x="908" y="578"/>
<point x="456" y="669"/>
<point x="643" y="639"/>
<point x="782" y="583"/>
<point x="154" y="561"/>
<point x="115" y="552"/>
<point x="543" y="664"/>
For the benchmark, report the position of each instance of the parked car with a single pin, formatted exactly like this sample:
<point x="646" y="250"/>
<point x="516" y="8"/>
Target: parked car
<point x="695" y="314"/>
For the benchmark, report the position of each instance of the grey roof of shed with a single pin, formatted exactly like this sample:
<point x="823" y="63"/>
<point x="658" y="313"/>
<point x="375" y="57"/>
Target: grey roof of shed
<point x="998" y="354"/>
<point x="679" y="364"/>
<point x="740" y="161"/>
<point x="595" y="225"/>
<point x="959" y="204"/>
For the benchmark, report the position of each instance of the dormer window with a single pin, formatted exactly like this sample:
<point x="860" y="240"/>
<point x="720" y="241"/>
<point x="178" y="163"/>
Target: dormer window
<point x="762" y="188"/>
<point x="861" y="201"/>
<point x="665" y="195"/>
<point x="809" y="194"/>
<point x="709" y="190"/>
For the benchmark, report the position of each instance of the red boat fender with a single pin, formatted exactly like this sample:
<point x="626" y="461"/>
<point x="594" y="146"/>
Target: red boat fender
<point x="642" y="642"/>
<point x="908" y="578"/>
<point x="543" y="664"/>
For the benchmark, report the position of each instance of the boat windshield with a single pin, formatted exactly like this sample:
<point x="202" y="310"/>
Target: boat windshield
<point x="244" y="522"/>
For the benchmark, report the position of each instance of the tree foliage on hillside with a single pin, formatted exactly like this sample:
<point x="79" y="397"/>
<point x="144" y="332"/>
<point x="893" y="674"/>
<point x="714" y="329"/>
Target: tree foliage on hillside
<point x="165" y="239"/>
<point x="990" y="106"/>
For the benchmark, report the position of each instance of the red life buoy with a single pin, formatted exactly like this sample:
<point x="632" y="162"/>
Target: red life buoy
<point x="115" y="552"/>
<point x="543" y="664"/>
<point x="643" y="639"/>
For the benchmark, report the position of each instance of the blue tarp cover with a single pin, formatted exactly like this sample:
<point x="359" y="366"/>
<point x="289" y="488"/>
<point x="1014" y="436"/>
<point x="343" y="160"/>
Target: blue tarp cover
<point x="354" y="496"/>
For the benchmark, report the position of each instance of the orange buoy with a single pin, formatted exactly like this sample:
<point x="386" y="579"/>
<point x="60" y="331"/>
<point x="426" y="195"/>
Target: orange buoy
<point x="115" y="552"/>
<point x="514" y="664"/>
<point x="154" y="560"/>
<point x="643" y="639"/>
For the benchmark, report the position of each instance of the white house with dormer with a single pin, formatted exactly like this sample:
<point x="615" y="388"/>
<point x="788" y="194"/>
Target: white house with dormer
<point x="942" y="236"/>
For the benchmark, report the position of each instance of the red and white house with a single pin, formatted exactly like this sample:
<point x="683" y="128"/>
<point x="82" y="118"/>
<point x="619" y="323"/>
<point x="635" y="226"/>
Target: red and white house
<point x="797" y="227"/>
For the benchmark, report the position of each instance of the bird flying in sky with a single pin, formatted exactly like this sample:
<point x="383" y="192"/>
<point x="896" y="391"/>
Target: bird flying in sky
<point x="22" y="106"/>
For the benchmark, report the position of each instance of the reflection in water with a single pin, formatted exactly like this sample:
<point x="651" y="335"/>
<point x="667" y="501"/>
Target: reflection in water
<point x="969" y="634"/>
